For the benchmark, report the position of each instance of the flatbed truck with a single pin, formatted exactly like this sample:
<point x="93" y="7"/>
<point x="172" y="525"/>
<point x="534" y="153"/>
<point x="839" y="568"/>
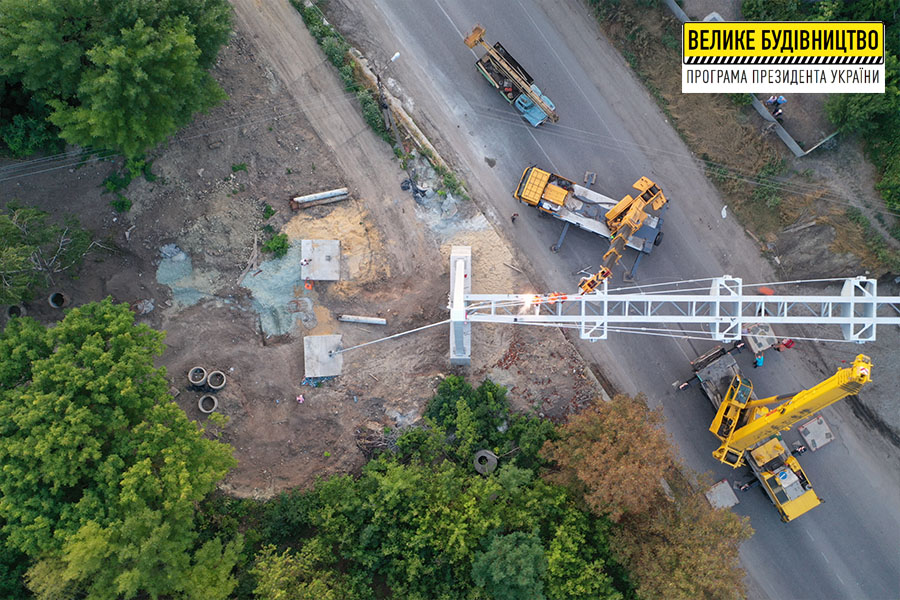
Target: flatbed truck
<point x="511" y="79"/>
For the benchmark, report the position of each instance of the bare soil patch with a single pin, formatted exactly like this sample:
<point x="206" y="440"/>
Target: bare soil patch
<point x="394" y="265"/>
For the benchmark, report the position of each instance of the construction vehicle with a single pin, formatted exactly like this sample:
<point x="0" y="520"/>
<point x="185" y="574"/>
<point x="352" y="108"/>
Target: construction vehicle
<point x="750" y="430"/>
<point x="632" y="222"/>
<point x="512" y="81"/>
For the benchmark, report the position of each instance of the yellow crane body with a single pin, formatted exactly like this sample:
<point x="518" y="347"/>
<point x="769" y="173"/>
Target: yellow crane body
<point x="750" y="432"/>
<point x="742" y="422"/>
<point x="618" y="221"/>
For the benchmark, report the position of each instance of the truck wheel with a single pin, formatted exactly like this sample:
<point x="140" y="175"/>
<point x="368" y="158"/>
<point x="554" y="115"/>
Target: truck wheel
<point x="658" y="240"/>
<point x="554" y="248"/>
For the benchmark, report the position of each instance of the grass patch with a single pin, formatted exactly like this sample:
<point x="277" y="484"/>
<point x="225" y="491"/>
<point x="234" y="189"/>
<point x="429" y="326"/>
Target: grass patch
<point x="120" y="203"/>
<point x="337" y="50"/>
<point x="238" y="167"/>
<point x="268" y="211"/>
<point x="277" y="245"/>
<point x="119" y="180"/>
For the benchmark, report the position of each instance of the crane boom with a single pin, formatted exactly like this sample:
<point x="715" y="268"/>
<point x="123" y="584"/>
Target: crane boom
<point x="512" y="70"/>
<point x="741" y="422"/>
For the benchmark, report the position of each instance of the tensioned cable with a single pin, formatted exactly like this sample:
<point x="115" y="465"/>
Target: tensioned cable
<point x="390" y="337"/>
<point x="563" y="131"/>
<point x="730" y="172"/>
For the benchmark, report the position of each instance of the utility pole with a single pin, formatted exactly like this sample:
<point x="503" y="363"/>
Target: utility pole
<point x="386" y="112"/>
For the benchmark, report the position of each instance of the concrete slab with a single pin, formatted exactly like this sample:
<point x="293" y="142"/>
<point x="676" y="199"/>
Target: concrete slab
<point x="316" y="361"/>
<point x="760" y="337"/>
<point x="816" y="433"/>
<point x="324" y="260"/>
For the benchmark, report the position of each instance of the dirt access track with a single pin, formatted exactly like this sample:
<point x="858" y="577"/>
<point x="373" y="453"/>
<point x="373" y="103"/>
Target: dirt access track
<point x="289" y="128"/>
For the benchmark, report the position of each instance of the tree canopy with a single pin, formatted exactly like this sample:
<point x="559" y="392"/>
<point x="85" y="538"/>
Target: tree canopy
<point x="421" y="523"/>
<point x="614" y="453"/>
<point x="874" y="117"/>
<point x="102" y="469"/>
<point x="109" y="74"/>
<point x="34" y="250"/>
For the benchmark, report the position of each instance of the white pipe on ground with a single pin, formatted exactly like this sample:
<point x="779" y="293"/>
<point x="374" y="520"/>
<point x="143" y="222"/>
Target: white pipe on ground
<point x="366" y="320"/>
<point x="322" y="195"/>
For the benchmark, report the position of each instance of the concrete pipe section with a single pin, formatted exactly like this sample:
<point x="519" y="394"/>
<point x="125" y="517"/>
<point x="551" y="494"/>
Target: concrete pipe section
<point x="215" y="380"/>
<point x="485" y="462"/>
<point x="57" y="300"/>
<point x="197" y="377"/>
<point x="16" y="310"/>
<point x="207" y="404"/>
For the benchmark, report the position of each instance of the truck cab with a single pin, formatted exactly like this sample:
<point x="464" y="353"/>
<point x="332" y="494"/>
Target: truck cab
<point x="531" y="112"/>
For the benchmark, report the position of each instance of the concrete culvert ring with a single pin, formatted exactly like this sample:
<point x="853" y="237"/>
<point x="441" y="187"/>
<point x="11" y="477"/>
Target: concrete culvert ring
<point x="207" y="404"/>
<point x="16" y="310"/>
<point x="57" y="300"/>
<point x="215" y="380"/>
<point x="485" y="462"/>
<point x="197" y="376"/>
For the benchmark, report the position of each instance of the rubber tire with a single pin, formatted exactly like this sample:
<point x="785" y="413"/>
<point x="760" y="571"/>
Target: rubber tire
<point x="658" y="240"/>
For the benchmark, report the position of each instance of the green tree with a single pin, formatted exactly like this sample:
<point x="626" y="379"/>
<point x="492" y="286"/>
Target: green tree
<point x="613" y="454"/>
<point x="575" y="570"/>
<point x="866" y="113"/>
<point x="102" y="470"/>
<point x="512" y="567"/>
<point x="33" y="251"/>
<point x="100" y="64"/>
<point x="289" y="576"/>
<point x="141" y="88"/>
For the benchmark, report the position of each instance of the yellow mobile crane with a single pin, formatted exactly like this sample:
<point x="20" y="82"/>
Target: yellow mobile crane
<point x="750" y="431"/>
<point x="624" y="220"/>
<point x="633" y="222"/>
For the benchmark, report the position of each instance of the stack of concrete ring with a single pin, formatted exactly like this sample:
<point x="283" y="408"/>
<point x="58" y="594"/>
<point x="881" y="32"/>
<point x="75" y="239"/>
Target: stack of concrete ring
<point x="209" y="383"/>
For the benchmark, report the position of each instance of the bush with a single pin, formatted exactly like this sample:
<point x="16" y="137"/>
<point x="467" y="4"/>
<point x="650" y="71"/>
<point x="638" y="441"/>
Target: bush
<point x="277" y="244"/>
<point x="372" y="112"/>
<point x="26" y="135"/>
<point x="35" y="250"/>
<point x="121" y="204"/>
<point x="335" y="49"/>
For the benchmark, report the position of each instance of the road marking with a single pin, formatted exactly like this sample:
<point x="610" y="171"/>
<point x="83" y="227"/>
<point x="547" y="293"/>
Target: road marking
<point x="527" y="128"/>
<point x="575" y="82"/>
<point x="839" y="578"/>
<point x="809" y="534"/>
<point x="461" y="34"/>
<point x="825" y="557"/>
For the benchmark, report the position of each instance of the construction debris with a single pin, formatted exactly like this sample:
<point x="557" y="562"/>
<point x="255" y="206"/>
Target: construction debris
<point x="328" y="197"/>
<point x="253" y="262"/>
<point x="316" y="381"/>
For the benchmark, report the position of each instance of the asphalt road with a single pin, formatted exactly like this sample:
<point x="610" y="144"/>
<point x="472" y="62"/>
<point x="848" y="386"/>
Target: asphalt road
<point x="847" y="548"/>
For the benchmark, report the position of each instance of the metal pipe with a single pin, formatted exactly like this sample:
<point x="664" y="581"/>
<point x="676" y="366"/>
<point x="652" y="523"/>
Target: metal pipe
<point x="321" y="195"/>
<point x="366" y="320"/>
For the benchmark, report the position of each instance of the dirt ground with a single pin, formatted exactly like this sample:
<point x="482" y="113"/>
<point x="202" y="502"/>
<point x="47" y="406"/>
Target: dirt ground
<point x="210" y="207"/>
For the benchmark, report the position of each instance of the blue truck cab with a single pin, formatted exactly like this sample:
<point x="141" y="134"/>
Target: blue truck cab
<point x="531" y="112"/>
